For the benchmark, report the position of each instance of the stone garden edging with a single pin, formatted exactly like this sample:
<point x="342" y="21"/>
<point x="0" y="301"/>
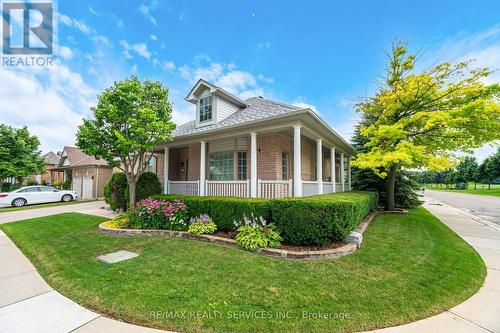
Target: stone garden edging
<point x="271" y="252"/>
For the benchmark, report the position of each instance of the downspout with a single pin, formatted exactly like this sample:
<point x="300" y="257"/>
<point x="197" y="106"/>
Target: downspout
<point x="97" y="182"/>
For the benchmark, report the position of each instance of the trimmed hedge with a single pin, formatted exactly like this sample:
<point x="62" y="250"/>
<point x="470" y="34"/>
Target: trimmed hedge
<point x="114" y="191"/>
<point x="316" y="220"/>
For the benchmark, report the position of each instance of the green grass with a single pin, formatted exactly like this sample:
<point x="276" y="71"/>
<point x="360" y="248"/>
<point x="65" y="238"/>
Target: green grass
<point x="481" y="189"/>
<point x="410" y="267"/>
<point x="13" y="209"/>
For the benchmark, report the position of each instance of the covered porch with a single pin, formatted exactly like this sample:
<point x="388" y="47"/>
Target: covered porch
<point x="257" y="164"/>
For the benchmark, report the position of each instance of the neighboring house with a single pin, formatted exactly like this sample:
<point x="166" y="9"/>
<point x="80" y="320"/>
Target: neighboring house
<point x="87" y="174"/>
<point x="51" y="161"/>
<point x="249" y="148"/>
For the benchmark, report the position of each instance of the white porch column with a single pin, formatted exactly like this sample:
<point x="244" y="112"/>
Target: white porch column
<point x="203" y="172"/>
<point x="253" y="165"/>
<point x="297" y="169"/>
<point x="342" y="171"/>
<point x="319" y="165"/>
<point x="332" y="168"/>
<point x="349" y="173"/>
<point x="165" y="170"/>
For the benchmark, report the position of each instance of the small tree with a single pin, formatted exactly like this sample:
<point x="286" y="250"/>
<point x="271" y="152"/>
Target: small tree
<point x="490" y="168"/>
<point x="467" y="169"/>
<point x="421" y="118"/>
<point x="19" y="153"/>
<point x="131" y="118"/>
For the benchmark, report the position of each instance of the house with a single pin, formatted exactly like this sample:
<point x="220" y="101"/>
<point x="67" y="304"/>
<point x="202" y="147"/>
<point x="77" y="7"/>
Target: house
<point x="253" y="148"/>
<point x="87" y="174"/>
<point x="51" y="161"/>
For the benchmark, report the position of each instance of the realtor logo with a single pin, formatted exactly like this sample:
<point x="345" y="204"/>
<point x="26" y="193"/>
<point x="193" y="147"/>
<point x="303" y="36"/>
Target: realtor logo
<point x="36" y="22"/>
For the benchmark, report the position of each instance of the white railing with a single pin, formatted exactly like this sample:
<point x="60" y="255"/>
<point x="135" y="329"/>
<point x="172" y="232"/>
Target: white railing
<point x="339" y="187"/>
<point x="274" y="189"/>
<point x="184" y="187"/>
<point x="327" y="187"/>
<point x="309" y="188"/>
<point x="228" y="188"/>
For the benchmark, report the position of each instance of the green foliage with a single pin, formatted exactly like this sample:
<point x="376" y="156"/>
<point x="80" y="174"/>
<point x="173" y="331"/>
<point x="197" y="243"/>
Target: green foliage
<point x="5" y="187"/>
<point x="57" y="184"/>
<point x="31" y="182"/>
<point x="316" y="220"/>
<point x="121" y="221"/>
<point x="44" y="182"/>
<point x="417" y="119"/>
<point x="255" y="233"/>
<point x="130" y="118"/>
<point x="66" y="185"/>
<point x="147" y="186"/>
<point x="202" y="224"/>
<point x="321" y="220"/>
<point x="114" y="191"/>
<point x="19" y="153"/>
<point x="223" y="210"/>
<point x="160" y="214"/>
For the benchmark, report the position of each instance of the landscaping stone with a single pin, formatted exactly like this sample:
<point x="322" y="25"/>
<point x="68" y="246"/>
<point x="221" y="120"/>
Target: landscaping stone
<point x="354" y="237"/>
<point x="117" y="256"/>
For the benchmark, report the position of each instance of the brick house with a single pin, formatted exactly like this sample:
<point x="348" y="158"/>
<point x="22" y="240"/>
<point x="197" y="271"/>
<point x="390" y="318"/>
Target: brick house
<point x="248" y="148"/>
<point x="87" y="174"/>
<point x="51" y="161"/>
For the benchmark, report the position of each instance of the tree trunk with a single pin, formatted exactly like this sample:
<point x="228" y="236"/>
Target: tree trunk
<point x="474" y="184"/>
<point x="391" y="181"/>
<point x="489" y="184"/>
<point x="131" y="200"/>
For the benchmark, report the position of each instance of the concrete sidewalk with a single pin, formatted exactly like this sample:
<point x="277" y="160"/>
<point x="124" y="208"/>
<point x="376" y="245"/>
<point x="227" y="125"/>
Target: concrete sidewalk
<point x="99" y="208"/>
<point x="481" y="312"/>
<point x="28" y="304"/>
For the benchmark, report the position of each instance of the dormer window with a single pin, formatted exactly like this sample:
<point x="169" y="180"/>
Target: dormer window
<point x="206" y="109"/>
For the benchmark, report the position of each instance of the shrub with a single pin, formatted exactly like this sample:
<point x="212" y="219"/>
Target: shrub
<point x="44" y="182"/>
<point x="31" y="182"/>
<point x="148" y="185"/>
<point x="255" y="233"/>
<point x="202" y="224"/>
<point x="223" y="210"/>
<point x="320" y="220"/>
<point x="57" y="184"/>
<point x="160" y="214"/>
<point x="114" y="191"/>
<point x="121" y="221"/>
<point x="67" y="185"/>
<point x="5" y="187"/>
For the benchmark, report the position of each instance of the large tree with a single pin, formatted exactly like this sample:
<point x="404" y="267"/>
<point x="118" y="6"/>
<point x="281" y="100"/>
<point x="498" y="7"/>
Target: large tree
<point x="130" y="119"/>
<point x="467" y="169"/>
<point x="19" y="153"/>
<point x="421" y="117"/>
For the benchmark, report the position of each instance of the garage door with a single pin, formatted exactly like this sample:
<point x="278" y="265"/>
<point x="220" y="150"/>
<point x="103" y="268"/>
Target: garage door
<point x="77" y="185"/>
<point x="87" y="187"/>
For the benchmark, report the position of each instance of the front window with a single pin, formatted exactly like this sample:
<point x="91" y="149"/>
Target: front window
<point x="151" y="164"/>
<point x="242" y="165"/>
<point x="284" y="165"/>
<point x="206" y="109"/>
<point x="221" y="166"/>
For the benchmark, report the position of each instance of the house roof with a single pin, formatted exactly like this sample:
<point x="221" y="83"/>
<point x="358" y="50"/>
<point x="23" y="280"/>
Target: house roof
<point x="257" y="108"/>
<point x="76" y="157"/>
<point x="202" y="84"/>
<point x="51" y="158"/>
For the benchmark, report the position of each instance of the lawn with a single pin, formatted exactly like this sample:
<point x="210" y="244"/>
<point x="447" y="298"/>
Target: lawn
<point x="481" y="189"/>
<point x="409" y="267"/>
<point x="12" y="209"/>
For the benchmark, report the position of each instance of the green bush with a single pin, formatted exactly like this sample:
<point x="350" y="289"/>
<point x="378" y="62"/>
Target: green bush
<point x="202" y="224"/>
<point x="255" y="233"/>
<point x="320" y="220"/>
<point x="67" y="185"/>
<point x="57" y="184"/>
<point x="114" y="191"/>
<point x="148" y="185"/>
<point x="5" y="187"/>
<point x="31" y="182"/>
<point x="160" y="214"/>
<point x="223" y="210"/>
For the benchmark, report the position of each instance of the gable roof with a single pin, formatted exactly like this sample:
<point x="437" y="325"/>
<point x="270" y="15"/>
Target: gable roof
<point x="214" y="90"/>
<point x="76" y="157"/>
<point x="51" y="158"/>
<point x="257" y="108"/>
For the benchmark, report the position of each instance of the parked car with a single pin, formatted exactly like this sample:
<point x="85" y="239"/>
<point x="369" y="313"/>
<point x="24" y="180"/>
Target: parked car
<point x="35" y="194"/>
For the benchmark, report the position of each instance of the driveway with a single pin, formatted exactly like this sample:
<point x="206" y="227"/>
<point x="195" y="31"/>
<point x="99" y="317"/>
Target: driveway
<point x="99" y="208"/>
<point x="482" y="206"/>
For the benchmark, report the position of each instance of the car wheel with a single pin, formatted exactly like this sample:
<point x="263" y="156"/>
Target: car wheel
<point x="19" y="202"/>
<point x="67" y="198"/>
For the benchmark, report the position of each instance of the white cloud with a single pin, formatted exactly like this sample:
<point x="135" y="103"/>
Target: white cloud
<point x="264" y="46"/>
<point x="75" y="24"/>
<point x="167" y="66"/>
<point x="241" y="83"/>
<point x="305" y="106"/>
<point x="65" y="52"/>
<point x="153" y="37"/>
<point x="139" y="48"/>
<point x="93" y="11"/>
<point x="102" y="40"/>
<point x="45" y="102"/>
<point x="146" y="11"/>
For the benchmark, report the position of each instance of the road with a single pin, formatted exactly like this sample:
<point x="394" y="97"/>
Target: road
<point x="483" y="206"/>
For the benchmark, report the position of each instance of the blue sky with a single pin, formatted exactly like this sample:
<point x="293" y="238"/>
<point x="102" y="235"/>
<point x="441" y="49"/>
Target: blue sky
<point x="324" y="54"/>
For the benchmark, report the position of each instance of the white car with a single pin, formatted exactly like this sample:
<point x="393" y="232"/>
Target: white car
<point x="35" y="194"/>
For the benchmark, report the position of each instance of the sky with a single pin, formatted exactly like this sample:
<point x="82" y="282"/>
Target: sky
<point x="326" y="55"/>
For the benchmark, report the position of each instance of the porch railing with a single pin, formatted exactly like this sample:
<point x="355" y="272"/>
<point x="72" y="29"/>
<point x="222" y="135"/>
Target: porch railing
<point x="309" y="188"/>
<point x="228" y="188"/>
<point x="184" y="187"/>
<point x="274" y="189"/>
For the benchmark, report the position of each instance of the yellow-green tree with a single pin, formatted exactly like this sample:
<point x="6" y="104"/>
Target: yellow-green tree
<point x="419" y="118"/>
